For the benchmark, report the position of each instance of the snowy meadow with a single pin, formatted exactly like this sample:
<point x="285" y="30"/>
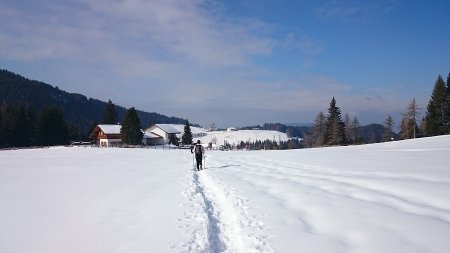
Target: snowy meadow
<point x="389" y="197"/>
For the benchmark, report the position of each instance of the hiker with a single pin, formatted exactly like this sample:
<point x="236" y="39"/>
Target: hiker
<point x="199" y="151"/>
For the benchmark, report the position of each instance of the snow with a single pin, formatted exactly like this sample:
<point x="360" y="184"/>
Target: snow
<point x="194" y="130"/>
<point x="235" y="137"/>
<point x="231" y="137"/>
<point x="169" y="128"/>
<point x="389" y="197"/>
<point x="110" y="129"/>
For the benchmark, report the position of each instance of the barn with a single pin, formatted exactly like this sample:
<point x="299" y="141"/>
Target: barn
<point x="160" y="134"/>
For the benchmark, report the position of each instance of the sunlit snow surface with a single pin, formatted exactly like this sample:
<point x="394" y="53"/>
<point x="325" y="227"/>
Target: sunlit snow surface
<point x="391" y="197"/>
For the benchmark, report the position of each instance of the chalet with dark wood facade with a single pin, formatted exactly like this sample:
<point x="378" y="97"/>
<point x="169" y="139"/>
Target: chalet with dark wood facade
<point x="107" y="135"/>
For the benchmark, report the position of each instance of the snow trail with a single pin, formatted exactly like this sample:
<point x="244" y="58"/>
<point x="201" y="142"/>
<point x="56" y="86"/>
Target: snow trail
<point x="223" y="222"/>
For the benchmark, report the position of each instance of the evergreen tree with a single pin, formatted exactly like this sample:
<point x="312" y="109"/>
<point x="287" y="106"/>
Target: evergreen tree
<point x="448" y="84"/>
<point x="174" y="140"/>
<point x="335" y="127"/>
<point x="186" y="139"/>
<point x="18" y="128"/>
<point x="8" y="129"/>
<point x="2" y="132"/>
<point x="24" y="127"/>
<point x="131" y="128"/>
<point x="52" y="128"/>
<point x="447" y="112"/>
<point x="75" y="133"/>
<point x="436" y="117"/>
<point x="388" y="133"/>
<point x="110" y="114"/>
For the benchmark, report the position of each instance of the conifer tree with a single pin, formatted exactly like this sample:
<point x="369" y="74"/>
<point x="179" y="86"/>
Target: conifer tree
<point x="186" y="139"/>
<point x="448" y="84"/>
<point x="52" y="128"/>
<point x="436" y="117"/>
<point x="131" y="128"/>
<point x="335" y="127"/>
<point x="448" y="106"/>
<point x="110" y="114"/>
<point x="8" y="129"/>
<point x="388" y="132"/>
<point x="23" y="127"/>
<point x="2" y="135"/>
<point x="174" y="140"/>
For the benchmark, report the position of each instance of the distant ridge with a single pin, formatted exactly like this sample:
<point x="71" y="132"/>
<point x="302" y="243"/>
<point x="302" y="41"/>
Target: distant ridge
<point x="79" y="110"/>
<point x="299" y="124"/>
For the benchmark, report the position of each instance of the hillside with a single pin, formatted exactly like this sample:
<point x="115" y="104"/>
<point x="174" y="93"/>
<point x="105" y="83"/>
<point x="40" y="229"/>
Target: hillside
<point x="79" y="110"/>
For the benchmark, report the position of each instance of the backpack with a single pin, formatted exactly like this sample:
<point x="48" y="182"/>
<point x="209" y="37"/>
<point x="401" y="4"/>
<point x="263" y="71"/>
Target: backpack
<point x="198" y="149"/>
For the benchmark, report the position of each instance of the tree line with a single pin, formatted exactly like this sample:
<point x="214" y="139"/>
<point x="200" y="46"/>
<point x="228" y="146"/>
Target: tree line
<point x="332" y="129"/>
<point x="21" y="126"/>
<point x="291" y="131"/>
<point x="436" y="120"/>
<point x="266" y="145"/>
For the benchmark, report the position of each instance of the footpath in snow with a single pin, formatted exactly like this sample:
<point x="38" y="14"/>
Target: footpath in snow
<point x="217" y="218"/>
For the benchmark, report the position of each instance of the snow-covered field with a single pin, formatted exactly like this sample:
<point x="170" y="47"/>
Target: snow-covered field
<point x="218" y="138"/>
<point x="235" y="137"/>
<point x="391" y="197"/>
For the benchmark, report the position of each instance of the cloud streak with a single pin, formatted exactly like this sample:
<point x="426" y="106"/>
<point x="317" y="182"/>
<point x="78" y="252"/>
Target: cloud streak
<point x="355" y="11"/>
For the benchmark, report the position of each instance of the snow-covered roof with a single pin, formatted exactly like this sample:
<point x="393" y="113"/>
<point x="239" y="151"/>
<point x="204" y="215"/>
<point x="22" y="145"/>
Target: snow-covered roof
<point x="168" y="128"/>
<point x="110" y="129"/>
<point x="150" y="135"/>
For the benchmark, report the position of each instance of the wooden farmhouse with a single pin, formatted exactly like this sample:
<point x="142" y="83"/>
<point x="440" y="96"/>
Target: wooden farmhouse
<point x="160" y="134"/>
<point x="107" y="135"/>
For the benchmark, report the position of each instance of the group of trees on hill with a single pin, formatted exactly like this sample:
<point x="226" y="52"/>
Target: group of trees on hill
<point x="437" y="118"/>
<point x="331" y="129"/>
<point x="79" y="111"/>
<point x="24" y="100"/>
<point x="21" y="126"/>
<point x="267" y="145"/>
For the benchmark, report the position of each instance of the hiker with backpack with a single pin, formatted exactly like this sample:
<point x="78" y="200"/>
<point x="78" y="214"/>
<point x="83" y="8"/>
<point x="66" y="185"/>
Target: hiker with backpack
<point x="199" y="151"/>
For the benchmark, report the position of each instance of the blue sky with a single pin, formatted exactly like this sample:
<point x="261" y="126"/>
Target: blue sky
<point x="234" y="63"/>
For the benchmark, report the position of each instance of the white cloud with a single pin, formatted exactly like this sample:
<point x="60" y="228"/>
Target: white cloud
<point x="170" y="55"/>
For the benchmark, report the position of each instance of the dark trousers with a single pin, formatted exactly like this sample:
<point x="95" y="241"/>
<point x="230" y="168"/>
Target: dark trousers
<point x="198" y="158"/>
